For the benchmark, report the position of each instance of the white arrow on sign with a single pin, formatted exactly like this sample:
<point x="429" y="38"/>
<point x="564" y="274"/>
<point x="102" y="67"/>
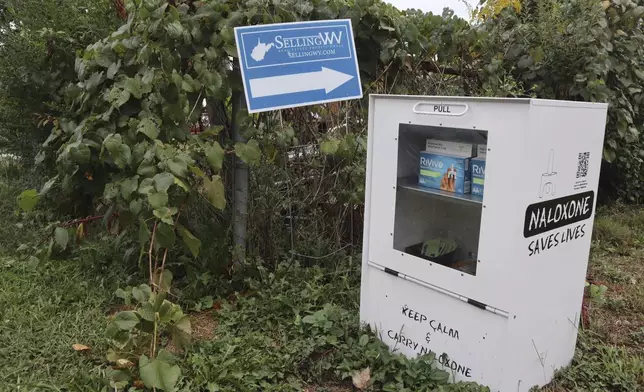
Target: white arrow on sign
<point x="326" y="79"/>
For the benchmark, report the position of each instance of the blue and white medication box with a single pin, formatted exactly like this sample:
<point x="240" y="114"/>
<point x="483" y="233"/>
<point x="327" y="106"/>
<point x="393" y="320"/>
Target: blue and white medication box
<point x="478" y="170"/>
<point x="445" y="172"/>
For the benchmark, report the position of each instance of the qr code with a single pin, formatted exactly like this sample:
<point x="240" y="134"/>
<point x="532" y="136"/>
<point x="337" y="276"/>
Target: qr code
<point x="582" y="164"/>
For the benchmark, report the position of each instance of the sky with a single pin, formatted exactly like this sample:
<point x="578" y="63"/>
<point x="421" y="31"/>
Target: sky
<point x="435" y="6"/>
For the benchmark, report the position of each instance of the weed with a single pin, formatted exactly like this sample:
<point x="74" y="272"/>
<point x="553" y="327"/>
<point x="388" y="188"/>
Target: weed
<point x="638" y="336"/>
<point x="612" y="232"/>
<point x="135" y="333"/>
<point x="611" y="272"/>
<point x="44" y="312"/>
<point x="286" y="329"/>
<point x="598" y="367"/>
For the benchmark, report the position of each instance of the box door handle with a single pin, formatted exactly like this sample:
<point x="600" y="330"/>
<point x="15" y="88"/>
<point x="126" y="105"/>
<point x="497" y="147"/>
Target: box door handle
<point x="440" y="108"/>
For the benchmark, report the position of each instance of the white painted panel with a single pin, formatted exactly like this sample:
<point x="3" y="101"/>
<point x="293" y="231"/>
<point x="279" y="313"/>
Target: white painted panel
<point x="415" y="320"/>
<point x="550" y="282"/>
<point x="506" y="129"/>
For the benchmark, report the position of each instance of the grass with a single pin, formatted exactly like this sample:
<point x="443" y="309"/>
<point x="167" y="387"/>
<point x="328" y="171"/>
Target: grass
<point x="45" y="311"/>
<point x="292" y="329"/>
<point x="610" y="350"/>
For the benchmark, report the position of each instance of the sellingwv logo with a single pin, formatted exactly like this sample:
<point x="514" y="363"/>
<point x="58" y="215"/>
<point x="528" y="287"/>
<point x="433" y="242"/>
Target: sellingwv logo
<point x="324" y="43"/>
<point x="322" y="39"/>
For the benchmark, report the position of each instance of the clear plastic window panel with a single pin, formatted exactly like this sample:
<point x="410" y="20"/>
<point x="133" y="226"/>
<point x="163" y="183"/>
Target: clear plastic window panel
<point x="439" y="198"/>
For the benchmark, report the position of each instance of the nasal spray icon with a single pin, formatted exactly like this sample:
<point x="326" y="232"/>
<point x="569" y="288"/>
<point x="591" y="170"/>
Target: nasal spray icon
<point x="548" y="179"/>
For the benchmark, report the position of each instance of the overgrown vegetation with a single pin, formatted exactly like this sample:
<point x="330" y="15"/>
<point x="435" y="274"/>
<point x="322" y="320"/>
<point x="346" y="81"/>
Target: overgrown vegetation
<point x="289" y="328"/>
<point x="39" y="45"/>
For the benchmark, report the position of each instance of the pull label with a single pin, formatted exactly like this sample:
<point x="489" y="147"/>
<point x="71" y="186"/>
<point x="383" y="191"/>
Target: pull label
<point x="440" y="108"/>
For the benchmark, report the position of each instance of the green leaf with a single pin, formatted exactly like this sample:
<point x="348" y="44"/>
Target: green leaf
<point x="146" y="186"/>
<point x="163" y="181"/>
<point x="165" y="236"/>
<point x="638" y="11"/>
<point x="178" y="167"/>
<point x="144" y="234"/>
<point x="113" y="69"/>
<point x="120" y="293"/>
<point x="215" y="156"/>
<point x="80" y="153"/>
<point x="181" y="184"/>
<point x="212" y="131"/>
<point x="639" y="73"/>
<point x="157" y="373"/>
<point x="165" y="214"/>
<point x="120" y="152"/>
<point x="181" y="332"/>
<point x="118" y="378"/>
<point x="146" y="168"/>
<point x="385" y="25"/>
<point x="167" y="356"/>
<point x="126" y="321"/>
<point x="215" y="192"/>
<point x="110" y="191"/>
<point x="165" y="282"/>
<point x="159" y="12"/>
<point x="142" y="293"/>
<point x="187" y="84"/>
<point x="231" y="51"/>
<point x="157" y="199"/>
<point x="135" y="206"/>
<point x="122" y="156"/>
<point x="149" y="128"/>
<point x="146" y="311"/>
<point x="45" y="188"/>
<point x="112" y="142"/>
<point x="609" y="155"/>
<point x="197" y="171"/>
<point x="134" y="87"/>
<point x="148" y="76"/>
<point x="61" y="236"/>
<point x="128" y="186"/>
<point x="249" y="152"/>
<point x="93" y="81"/>
<point x="329" y="147"/>
<point x="193" y="243"/>
<point x="28" y="199"/>
<point x="364" y="339"/>
<point x="175" y="29"/>
<point x="120" y="97"/>
<point x="213" y="83"/>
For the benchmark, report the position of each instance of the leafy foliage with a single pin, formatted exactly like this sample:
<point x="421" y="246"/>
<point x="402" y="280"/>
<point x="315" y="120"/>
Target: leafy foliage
<point x="576" y="50"/>
<point x="39" y="41"/>
<point x="133" y="332"/>
<point x="285" y="334"/>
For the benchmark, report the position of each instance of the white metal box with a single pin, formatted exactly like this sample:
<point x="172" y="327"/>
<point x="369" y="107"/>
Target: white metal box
<point x="503" y="309"/>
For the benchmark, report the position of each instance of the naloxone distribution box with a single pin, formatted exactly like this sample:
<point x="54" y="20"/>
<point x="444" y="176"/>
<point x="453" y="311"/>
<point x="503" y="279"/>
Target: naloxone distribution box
<point x="451" y="273"/>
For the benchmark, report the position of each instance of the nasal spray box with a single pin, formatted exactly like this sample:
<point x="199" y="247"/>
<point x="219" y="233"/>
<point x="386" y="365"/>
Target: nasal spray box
<point x="478" y="170"/>
<point x="446" y="166"/>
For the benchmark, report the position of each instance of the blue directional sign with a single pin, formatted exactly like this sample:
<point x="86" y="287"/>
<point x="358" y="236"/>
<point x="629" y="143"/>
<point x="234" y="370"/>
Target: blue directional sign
<point x="286" y="65"/>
